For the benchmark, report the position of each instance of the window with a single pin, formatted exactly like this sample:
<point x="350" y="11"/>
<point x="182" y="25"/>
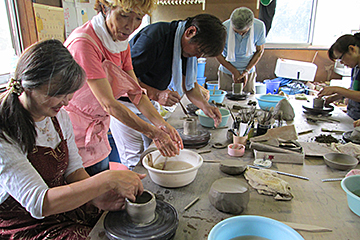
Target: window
<point x="9" y="40"/>
<point x="291" y="23"/>
<point x="313" y="22"/>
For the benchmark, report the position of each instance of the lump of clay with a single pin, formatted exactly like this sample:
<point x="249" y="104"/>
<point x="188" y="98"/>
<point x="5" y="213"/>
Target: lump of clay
<point x="284" y="108"/>
<point x="355" y="134"/>
<point x="232" y="167"/>
<point x="229" y="195"/>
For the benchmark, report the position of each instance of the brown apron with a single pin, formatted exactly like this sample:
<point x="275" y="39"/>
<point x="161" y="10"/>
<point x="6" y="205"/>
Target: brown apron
<point x="17" y="223"/>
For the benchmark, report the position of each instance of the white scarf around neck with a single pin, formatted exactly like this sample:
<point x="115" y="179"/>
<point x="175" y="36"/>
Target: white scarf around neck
<point x="99" y="25"/>
<point x="191" y="65"/>
<point x="250" y="47"/>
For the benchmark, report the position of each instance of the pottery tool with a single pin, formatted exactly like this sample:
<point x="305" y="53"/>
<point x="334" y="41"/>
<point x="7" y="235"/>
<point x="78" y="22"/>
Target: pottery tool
<point x="233" y="132"/>
<point x="214" y="90"/>
<point x="231" y="113"/>
<point x="163" y="168"/>
<point x="204" y="151"/>
<point x="191" y="204"/>
<point x="283" y="173"/>
<point x="331" y="179"/>
<point x="184" y="110"/>
<point x="333" y="131"/>
<point x="211" y="161"/>
<point x="307" y="227"/>
<point x="305" y="132"/>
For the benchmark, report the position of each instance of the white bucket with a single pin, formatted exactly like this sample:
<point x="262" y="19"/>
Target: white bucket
<point x="260" y="88"/>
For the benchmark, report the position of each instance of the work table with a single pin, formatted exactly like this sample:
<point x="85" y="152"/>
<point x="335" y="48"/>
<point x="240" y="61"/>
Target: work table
<point x="315" y="202"/>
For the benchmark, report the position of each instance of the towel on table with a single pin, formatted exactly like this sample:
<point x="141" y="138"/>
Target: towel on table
<point x="267" y="182"/>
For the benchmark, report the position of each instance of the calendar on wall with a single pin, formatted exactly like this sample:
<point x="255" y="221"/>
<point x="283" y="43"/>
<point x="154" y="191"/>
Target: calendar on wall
<point x="49" y="22"/>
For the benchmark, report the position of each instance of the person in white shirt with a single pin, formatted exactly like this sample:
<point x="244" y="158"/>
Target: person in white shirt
<point x="243" y="49"/>
<point x="44" y="190"/>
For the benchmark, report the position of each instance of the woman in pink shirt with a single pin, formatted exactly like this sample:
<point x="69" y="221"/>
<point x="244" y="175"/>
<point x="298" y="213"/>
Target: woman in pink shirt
<point x="99" y="46"/>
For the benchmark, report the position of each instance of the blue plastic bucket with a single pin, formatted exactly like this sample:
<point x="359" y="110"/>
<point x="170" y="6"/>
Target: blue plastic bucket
<point x="114" y="154"/>
<point x="201" y="69"/>
<point x="211" y="84"/>
<point x="272" y="86"/>
<point x="201" y="81"/>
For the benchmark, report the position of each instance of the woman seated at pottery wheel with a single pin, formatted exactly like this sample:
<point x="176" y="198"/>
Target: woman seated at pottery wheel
<point x="346" y="50"/>
<point x="45" y="192"/>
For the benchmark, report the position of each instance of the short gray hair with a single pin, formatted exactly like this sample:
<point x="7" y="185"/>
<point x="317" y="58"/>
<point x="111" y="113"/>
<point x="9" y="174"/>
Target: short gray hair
<point x="242" y="18"/>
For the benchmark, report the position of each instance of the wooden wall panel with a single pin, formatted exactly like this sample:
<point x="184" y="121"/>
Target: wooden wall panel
<point x="266" y="66"/>
<point x="27" y="22"/>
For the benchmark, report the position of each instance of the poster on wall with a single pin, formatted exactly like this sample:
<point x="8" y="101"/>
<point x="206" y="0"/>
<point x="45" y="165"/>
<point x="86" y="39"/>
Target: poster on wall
<point x="49" y="22"/>
<point x="76" y="13"/>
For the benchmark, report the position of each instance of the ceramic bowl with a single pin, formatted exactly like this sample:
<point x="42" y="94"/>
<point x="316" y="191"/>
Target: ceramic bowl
<point x="267" y="101"/>
<point x="217" y="95"/>
<point x="209" y="122"/>
<point x="256" y="226"/>
<point x="351" y="185"/>
<point x="173" y="178"/>
<point x="340" y="161"/>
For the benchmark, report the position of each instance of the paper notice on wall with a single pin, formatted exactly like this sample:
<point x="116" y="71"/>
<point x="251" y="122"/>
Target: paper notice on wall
<point x="49" y="22"/>
<point x="76" y="13"/>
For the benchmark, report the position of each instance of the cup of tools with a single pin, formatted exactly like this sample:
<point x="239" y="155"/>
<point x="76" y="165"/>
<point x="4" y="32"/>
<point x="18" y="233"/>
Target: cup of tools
<point x="240" y="139"/>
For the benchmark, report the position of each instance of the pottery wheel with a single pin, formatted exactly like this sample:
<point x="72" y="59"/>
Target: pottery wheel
<point x="195" y="141"/>
<point x="324" y="110"/>
<point x="231" y="96"/>
<point x="347" y="137"/>
<point x="317" y="114"/>
<point x="119" y="226"/>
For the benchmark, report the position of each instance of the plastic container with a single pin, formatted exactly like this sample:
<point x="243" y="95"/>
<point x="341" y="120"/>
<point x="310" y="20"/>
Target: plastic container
<point x="201" y="67"/>
<point x="260" y="88"/>
<point x="209" y="122"/>
<point x="272" y="86"/>
<point x="258" y="226"/>
<point x="173" y="178"/>
<point x="351" y="185"/>
<point x="267" y="101"/>
<point x="218" y="96"/>
<point x="292" y="91"/>
<point x="201" y="81"/>
<point x="211" y="84"/>
<point x="236" y="150"/>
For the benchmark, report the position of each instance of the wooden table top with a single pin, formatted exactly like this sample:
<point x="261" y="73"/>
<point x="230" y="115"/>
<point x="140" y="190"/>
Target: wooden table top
<point x="315" y="202"/>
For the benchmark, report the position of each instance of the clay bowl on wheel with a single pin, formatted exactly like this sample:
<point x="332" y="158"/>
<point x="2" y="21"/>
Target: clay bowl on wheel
<point x="179" y="171"/>
<point x="340" y="161"/>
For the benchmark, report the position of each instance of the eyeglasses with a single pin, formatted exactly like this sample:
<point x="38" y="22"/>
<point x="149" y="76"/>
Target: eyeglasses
<point x="342" y="55"/>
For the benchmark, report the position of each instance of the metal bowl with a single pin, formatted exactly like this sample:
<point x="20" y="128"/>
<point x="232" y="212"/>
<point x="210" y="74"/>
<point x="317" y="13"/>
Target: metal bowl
<point x="340" y="161"/>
